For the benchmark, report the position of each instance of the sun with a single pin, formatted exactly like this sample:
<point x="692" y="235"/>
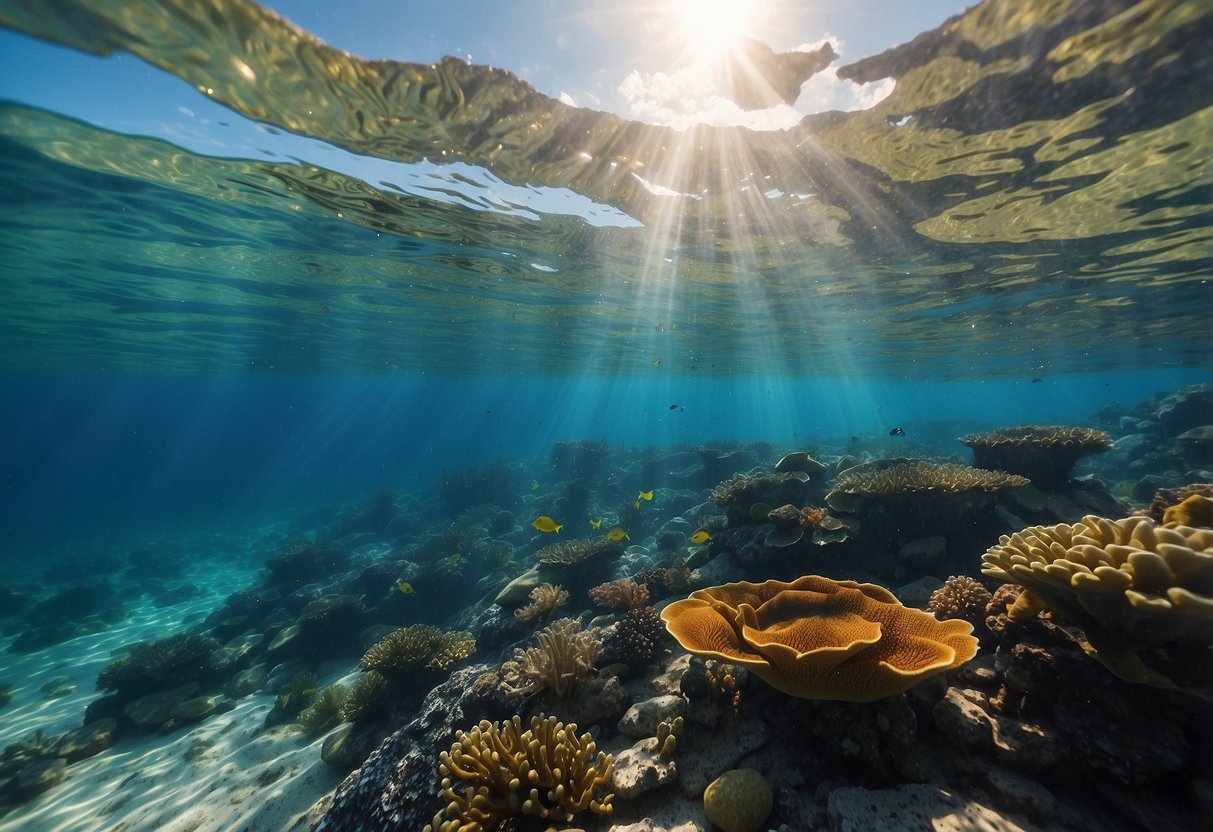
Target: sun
<point x="713" y="29"/>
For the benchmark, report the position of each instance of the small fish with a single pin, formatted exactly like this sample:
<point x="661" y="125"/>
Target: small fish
<point x="656" y="362"/>
<point x="595" y="523"/>
<point x="404" y="588"/>
<point x="700" y="536"/>
<point x="284" y="701"/>
<point x="454" y="561"/>
<point x="617" y="534"/>
<point x="678" y="407"/>
<point x="546" y="524"/>
<point x="1037" y="380"/>
<point x="897" y="432"/>
<point x="645" y="495"/>
<point x="534" y="485"/>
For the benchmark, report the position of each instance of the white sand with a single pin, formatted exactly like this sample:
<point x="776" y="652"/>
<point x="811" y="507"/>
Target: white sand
<point x="226" y="773"/>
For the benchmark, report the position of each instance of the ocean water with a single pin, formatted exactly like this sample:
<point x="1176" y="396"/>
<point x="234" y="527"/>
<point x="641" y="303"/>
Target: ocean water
<point x="249" y="281"/>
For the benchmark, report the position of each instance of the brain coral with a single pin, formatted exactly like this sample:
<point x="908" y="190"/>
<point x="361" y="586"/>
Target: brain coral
<point x="739" y="801"/>
<point x="1043" y="453"/>
<point x="546" y="772"/>
<point x="960" y="597"/>
<point x="1129" y="584"/>
<point x="816" y="638"/>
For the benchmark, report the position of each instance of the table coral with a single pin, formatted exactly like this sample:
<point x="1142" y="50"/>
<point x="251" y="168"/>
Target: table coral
<point x="1044" y="454"/>
<point x="1129" y="584"/>
<point x="546" y="772"/>
<point x="816" y="638"/>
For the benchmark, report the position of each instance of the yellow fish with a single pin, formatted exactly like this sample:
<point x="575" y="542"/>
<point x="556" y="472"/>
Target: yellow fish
<point x="643" y="495"/>
<point x="617" y="534"/>
<point x="596" y="524"/>
<point x="700" y="537"/>
<point x="405" y="588"/>
<point x="454" y="561"/>
<point x="546" y="524"/>
<point x="656" y="362"/>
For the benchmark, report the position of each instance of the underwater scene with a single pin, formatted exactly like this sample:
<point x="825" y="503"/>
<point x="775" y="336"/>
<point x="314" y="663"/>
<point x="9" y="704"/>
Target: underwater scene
<point x="667" y="416"/>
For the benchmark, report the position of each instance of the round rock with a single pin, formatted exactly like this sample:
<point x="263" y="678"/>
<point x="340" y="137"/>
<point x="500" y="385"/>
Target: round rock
<point x="738" y="801"/>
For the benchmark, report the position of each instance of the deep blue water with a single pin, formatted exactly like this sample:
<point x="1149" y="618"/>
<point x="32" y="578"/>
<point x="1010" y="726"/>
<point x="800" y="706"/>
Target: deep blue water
<point x="139" y="455"/>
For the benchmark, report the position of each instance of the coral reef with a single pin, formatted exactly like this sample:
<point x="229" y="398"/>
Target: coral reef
<point x="545" y="598"/>
<point x="620" y="595"/>
<point x="564" y="655"/>
<point x="546" y="772"/>
<point x="369" y="699"/>
<point x="888" y="477"/>
<point x="419" y="645"/>
<point x="960" y="597"/>
<point x="1129" y="584"/>
<point x="741" y="491"/>
<point x="1195" y="510"/>
<point x="157" y="665"/>
<point x="325" y="710"/>
<point x="300" y="563"/>
<point x="636" y="637"/>
<point x="1045" y="454"/>
<point x="1165" y="498"/>
<point x="816" y="638"/>
<point x="575" y="552"/>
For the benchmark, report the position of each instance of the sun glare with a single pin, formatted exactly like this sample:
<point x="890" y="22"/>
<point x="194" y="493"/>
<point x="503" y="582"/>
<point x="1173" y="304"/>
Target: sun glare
<point x="713" y="28"/>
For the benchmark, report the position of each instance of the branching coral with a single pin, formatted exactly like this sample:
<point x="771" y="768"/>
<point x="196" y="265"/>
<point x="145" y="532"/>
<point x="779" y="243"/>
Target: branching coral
<point x="1043" y="453"/>
<point x="545" y="598"/>
<point x="960" y="597"/>
<point x="573" y="552"/>
<point x="1129" y="584"/>
<point x="620" y="595"/>
<point x="159" y="664"/>
<point x="816" y="638"/>
<point x="546" y="772"/>
<point x="564" y="655"/>
<point x="417" y="646"/>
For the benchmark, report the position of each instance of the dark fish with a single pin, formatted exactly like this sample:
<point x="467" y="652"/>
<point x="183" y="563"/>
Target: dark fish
<point x="897" y="432"/>
<point x="1037" y="380"/>
<point x="677" y="407"/>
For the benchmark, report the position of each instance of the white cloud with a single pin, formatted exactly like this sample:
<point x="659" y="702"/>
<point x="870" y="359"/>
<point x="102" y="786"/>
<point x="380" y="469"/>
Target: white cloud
<point x="691" y="95"/>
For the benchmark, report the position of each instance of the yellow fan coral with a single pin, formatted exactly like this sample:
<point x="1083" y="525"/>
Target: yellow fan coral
<point x="817" y="638"/>
<point x="1129" y="584"/>
<point x="546" y="772"/>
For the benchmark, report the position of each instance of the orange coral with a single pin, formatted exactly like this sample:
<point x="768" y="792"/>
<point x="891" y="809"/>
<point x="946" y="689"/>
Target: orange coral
<point x="817" y="638"/>
<point x="620" y="595"/>
<point x="812" y="516"/>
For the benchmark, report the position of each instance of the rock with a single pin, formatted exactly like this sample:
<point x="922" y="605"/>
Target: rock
<point x="924" y="552"/>
<point x="642" y="719"/>
<point x="962" y="717"/>
<point x="282" y="642"/>
<point x="246" y="682"/>
<point x="232" y="656"/>
<point x="57" y="687"/>
<point x="738" y="801"/>
<point x="87" y="740"/>
<point x="917" y="594"/>
<point x="194" y="710"/>
<point x="151" y="711"/>
<point x="594" y="701"/>
<point x="395" y="787"/>
<point x="703" y="756"/>
<point x="518" y="591"/>
<point x="914" y="808"/>
<point x="348" y="745"/>
<point x="40" y="776"/>
<point x="1015" y="793"/>
<point x="640" y="769"/>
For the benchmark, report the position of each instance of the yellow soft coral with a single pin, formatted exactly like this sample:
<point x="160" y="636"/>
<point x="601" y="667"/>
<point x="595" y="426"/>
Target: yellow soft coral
<point x="547" y="772"/>
<point x="1129" y="584"/>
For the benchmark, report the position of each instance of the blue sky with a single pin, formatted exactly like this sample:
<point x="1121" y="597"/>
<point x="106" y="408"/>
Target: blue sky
<point x="634" y="59"/>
